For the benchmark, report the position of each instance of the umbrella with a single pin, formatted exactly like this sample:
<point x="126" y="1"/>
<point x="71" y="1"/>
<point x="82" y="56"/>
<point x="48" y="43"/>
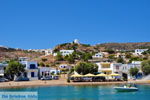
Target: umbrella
<point x="101" y="75"/>
<point x="114" y="74"/>
<point x="89" y="75"/>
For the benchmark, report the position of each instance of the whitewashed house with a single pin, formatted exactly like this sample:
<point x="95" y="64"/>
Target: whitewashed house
<point x="64" y="66"/>
<point x="55" y="71"/>
<point x="23" y="58"/>
<point x="31" y="69"/>
<point x="66" y="52"/>
<point x="44" y="71"/>
<point x="48" y="52"/>
<point x="98" y="55"/>
<point x="140" y="51"/>
<point x="2" y="66"/>
<point x="117" y="68"/>
<point x="105" y="67"/>
<point x="125" y="68"/>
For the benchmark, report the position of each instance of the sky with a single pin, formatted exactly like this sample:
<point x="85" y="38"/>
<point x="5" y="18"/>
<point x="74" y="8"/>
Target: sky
<point x="41" y="24"/>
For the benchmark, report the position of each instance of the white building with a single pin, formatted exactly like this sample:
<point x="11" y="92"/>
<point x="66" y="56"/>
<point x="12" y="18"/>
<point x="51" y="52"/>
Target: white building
<point x="109" y="68"/>
<point x="31" y="69"/>
<point x="55" y="71"/>
<point x="2" y="66"/>
<point x="44" y="71"/>
<point x="64" y="66"/>
<point x="125" y="68"/>
<point x="66" y="52"/>
<point x="76" y="41"/>
<point x="105" y="67"/>
<point x="140" y="51"/>
<point x="98" y="55"/>
<point x="48" y="52"/>
<point x="23" y="58"/>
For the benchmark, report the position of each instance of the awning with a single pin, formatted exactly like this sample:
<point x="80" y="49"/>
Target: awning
<point x="89" y="75"/>
<point x="114" y="74"/>
<point x="101" y="75"/>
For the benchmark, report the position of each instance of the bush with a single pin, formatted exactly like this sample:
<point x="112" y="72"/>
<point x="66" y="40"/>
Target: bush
<point x="68" y="80"/>
<point x="85" y="68"/>
<point x="134" y="71"/>
<point x="146" y="67"/>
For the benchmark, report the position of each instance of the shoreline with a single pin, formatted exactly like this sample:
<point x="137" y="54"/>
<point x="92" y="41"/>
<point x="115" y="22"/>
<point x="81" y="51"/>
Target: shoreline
<point x="40" y="83"/>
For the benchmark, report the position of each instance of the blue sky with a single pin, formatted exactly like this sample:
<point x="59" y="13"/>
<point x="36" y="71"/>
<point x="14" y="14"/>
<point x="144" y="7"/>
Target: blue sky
<point x="41" y="24"/>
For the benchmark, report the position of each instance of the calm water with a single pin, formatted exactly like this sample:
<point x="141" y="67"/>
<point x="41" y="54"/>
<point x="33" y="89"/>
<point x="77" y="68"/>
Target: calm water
<point x="85" y="93"/>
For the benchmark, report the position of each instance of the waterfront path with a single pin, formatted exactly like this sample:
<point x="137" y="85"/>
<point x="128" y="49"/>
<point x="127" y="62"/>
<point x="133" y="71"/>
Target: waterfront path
<point x="61" y="81"/>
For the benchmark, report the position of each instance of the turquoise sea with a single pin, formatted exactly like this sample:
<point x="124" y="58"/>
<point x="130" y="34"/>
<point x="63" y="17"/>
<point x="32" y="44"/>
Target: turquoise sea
<point x="84" y="93"/>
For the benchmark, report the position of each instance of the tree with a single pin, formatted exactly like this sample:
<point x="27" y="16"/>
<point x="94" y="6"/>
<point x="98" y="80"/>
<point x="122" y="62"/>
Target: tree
<point x="14" y="68"/>
<point x="44" y="59"/>
<point x="146" y="67"/>
<point x="146" y="52"/>
<point x="41" y="64"/>
<point x="59" y="57"/>
<point x="47" y="65"/>
<point x="128" y="55"/>
<point x="135" y="59"/>
<point x="85" y="56"/>
<point x="110" y="51"/>
<point x="112" y="56"/>
<point x="70" y="58"/>
<point x="134" y="71"/>
<point x="85" y="68"/>
<point x="120" y="60"/>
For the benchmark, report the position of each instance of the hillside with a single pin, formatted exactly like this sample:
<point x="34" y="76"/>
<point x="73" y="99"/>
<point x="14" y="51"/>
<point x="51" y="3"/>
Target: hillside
<point x="125" y="46"/>
<point x="11" y="53"/>
<point x="102" y="47"/>
<point x="77" y="47"/>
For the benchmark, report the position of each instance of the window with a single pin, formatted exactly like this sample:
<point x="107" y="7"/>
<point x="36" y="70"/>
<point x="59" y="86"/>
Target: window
<point x="117" y="67"/>
<point x="105" y="65"/>
<point x="32" y="66"/>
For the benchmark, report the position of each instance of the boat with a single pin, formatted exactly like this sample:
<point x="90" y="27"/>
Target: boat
<point x="126" y="88"/>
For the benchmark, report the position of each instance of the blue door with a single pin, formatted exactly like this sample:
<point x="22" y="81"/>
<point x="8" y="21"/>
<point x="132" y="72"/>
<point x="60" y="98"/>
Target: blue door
<point x="32" y="74"/>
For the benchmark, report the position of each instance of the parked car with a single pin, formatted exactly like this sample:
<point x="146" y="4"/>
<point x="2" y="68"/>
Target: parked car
<point x="55" y="77"/>
<point x="21" y="79"/>
<point x="46" y="78"/>
<point x="3" y="80"/>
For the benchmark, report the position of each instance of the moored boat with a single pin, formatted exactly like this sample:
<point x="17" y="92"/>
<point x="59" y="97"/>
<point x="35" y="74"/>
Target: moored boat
<point x="126" y="88"/>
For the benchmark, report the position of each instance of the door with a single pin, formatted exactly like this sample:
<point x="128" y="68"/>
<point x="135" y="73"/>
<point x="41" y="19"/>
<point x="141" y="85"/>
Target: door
<point x="32" y="74"/>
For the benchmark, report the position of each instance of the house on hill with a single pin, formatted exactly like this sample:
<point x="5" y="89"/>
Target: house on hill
<point x="139" y="51"/>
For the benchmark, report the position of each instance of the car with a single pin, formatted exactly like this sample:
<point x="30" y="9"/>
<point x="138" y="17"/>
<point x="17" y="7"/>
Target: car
<point x="21" y="79"/>
<point x="46" y="78"/>
<point x="3" y="80"/>
<point x="55" y="77"/>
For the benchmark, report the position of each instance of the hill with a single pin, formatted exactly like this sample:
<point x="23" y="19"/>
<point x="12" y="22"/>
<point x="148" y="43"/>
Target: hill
<point x="125" y="46"/>
<point x="103" y="47"/>
<point x="77" y="47"/>
<point x="7" y="53"/>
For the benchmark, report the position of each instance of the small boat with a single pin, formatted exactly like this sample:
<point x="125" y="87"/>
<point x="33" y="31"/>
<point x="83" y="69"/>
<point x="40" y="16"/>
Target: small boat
<point x="126" y="88"/>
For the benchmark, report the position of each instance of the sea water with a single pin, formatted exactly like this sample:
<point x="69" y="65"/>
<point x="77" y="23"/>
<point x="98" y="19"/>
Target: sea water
<point x="84" y="93"/>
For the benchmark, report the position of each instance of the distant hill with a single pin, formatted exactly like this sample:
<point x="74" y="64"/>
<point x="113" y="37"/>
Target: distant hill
<point x="7" y="53"/>
<point x="77" y="47"/>
<point x="102" y="47"/>
<point x="125" y="46"/>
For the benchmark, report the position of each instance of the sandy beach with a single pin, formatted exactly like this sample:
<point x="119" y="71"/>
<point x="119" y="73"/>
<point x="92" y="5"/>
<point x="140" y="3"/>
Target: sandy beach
<point x="61" y="82"/>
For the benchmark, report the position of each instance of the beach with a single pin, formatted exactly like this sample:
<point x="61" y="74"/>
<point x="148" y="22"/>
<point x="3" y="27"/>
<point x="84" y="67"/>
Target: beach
<point x="61" y="82"/>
